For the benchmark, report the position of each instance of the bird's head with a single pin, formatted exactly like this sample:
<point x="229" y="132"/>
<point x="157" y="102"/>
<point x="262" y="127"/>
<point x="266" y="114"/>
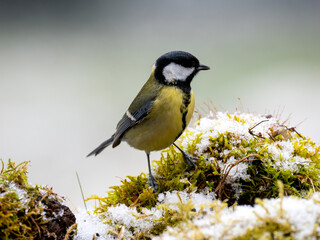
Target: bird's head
<point x="177" y="68"/>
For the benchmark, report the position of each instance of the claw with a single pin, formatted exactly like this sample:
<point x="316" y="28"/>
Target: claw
<point x="189" y="160"/>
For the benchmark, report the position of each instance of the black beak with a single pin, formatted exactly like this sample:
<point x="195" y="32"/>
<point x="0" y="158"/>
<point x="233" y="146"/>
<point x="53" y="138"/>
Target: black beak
<point x="203" y="67"/>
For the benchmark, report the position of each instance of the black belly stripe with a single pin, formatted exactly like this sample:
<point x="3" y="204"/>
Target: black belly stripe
<point x="184" y="110"/>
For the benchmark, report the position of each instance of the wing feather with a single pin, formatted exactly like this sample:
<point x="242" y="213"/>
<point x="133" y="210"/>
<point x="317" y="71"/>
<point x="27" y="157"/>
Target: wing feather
<point x="126" y="122"/>
<point x="139" y="109"/>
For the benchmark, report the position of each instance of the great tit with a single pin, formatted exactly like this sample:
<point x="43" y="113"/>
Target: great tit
<point x="162" y="109"/>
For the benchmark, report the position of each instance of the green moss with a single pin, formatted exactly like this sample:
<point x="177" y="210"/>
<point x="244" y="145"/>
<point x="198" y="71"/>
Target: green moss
<point x="271" y="220"/>
<point x="24" y="208"/>
<point x="213" y="169"/>
<point x="271" y="227"/>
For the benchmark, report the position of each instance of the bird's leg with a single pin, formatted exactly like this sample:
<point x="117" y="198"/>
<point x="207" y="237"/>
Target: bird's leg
<point x="152" y="181"/>
<point x="187" y="158"/>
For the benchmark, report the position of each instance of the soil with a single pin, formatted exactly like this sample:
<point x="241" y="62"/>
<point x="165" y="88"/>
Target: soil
<point x="60" y="219"/>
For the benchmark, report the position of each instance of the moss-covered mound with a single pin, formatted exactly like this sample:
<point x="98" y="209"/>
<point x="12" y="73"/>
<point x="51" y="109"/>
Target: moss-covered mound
<point x="28" y="211"/>
<point x="280" y="218"/>
<point x="240" y="158"/>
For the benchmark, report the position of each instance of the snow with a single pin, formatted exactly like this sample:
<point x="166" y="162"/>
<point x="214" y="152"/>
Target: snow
<point x="59" y="214"/>
<point x="237" y="172"/>
<point x="172" y="199"/>
<point x="130" y="218"/>
<point x="238" y="125"/>
<point x="284" y="158"/>
<point x="302" y="214"/>
<point x="223" y="123"/>
<point x="21" y="193"/>
<point x="89" y="225"/>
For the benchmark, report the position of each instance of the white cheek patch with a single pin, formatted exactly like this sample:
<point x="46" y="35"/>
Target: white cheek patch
<point x="175" y="72"/>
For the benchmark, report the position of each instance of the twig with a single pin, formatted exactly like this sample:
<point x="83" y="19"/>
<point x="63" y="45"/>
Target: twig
<point x="36" y="226"/>
<point x="229" y="167"/>
<point x="252" y="133"/>
<point x="69" y="230"/>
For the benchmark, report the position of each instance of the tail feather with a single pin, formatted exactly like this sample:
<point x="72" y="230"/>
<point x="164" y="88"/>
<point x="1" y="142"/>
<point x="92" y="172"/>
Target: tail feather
<point x="101" y="147"/>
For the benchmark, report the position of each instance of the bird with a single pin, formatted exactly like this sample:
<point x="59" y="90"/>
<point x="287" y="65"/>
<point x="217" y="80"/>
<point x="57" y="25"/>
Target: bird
<point x="162" y="109"/>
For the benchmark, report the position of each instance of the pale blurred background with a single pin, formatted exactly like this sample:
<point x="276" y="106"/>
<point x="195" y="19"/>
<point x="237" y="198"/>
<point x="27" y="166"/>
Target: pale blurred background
<point x="69" y="70"/>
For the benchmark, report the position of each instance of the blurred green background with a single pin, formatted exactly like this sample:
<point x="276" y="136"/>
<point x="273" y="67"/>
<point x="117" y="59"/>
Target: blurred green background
<point x="69" y="70"/>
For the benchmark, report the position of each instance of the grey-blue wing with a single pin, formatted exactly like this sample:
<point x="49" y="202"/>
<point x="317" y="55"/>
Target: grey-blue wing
<point x="129" y="120"/>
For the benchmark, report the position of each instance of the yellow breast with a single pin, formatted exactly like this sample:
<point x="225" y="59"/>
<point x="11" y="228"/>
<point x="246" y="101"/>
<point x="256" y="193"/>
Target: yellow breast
<point x="165" y="122"/>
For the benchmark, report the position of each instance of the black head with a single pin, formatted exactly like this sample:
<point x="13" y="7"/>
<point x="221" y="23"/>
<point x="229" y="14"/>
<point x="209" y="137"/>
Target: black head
<point x="177" y="68"/>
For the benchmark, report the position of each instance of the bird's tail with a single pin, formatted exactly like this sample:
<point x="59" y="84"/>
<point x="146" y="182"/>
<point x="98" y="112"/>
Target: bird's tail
<point x="101" y="147"/>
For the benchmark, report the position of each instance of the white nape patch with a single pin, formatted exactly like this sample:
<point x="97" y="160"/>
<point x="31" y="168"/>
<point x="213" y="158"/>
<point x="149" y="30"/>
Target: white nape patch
<point x="129" y="115"/>
<point x="175" y="72"/>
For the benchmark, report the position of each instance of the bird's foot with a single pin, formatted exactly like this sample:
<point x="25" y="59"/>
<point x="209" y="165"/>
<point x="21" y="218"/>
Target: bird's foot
<point x="189" y="160"/>
<point x="152" y="183"/>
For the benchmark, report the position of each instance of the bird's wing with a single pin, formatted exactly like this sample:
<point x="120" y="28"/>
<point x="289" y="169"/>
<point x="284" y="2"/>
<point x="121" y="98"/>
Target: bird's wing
<point x="129" y="120"/>
<point x="139" y="109"/>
